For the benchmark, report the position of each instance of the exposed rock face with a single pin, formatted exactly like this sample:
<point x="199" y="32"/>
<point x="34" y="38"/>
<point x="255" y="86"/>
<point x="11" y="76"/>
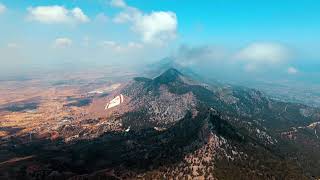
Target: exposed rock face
<point x="115" y="102"/>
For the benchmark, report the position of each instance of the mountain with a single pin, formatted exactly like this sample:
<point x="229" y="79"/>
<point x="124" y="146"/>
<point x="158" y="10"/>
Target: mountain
<point x="277" y="127"/>
<point x="159" y="67"/>
<point x="170" y="76"/>
<point x="175" y="126"/>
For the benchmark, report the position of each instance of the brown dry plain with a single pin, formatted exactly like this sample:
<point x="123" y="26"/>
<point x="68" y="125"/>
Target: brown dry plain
<point x="55" y="98"/>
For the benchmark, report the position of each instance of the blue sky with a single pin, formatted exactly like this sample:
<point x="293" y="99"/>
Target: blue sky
<point x="250" y="35"/>
<point x="225" y="20"/>
<point x="217" y="20"/>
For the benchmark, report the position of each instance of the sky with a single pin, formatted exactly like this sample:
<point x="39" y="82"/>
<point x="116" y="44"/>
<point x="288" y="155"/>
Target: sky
<point x="266" y="38"/>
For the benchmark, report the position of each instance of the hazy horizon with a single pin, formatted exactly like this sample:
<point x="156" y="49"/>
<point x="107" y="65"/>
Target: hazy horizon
<point x="242" y="41"/>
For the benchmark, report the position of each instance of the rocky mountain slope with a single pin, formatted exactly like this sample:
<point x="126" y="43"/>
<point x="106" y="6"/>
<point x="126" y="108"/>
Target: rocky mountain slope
<point x="173" y="126"/>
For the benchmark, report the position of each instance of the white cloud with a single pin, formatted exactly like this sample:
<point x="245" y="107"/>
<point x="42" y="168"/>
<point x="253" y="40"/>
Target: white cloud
<point x="79" y="15"/>
<point x="127" y="16"/>
<point x="12" y="45"/>
<point x="155" y="27"/>
<point x="3" y="8"/>
<point x="200" y="55"/>
<point x="264" y="53"/>
<point x="85" y="41"/>
<point x="56" y="15"/>
<point x="250" y="67"/>
<point x="101" y="17"/>
<point x="108" y="44"/>
<point x="135" y="45"/>
<point x="118" y="3"/>
<point x="117" y="47"/>
<point x="62" y="43"/>
<point x="292" y="70"/>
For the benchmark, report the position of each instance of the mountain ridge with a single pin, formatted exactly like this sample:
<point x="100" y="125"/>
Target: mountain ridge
<point x="174" y="127"/>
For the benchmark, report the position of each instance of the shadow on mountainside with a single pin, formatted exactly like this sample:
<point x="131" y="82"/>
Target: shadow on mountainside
<point x="139" y="151"/>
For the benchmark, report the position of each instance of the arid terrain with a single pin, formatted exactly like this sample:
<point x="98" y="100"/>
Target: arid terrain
<point x="87" y="126"/>
<point x="41" y="103"/>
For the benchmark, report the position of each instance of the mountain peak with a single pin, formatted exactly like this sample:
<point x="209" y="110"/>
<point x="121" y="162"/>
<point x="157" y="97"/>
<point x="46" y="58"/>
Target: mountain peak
<point x="170" y="75"/>
<point x="172" y="72"/>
